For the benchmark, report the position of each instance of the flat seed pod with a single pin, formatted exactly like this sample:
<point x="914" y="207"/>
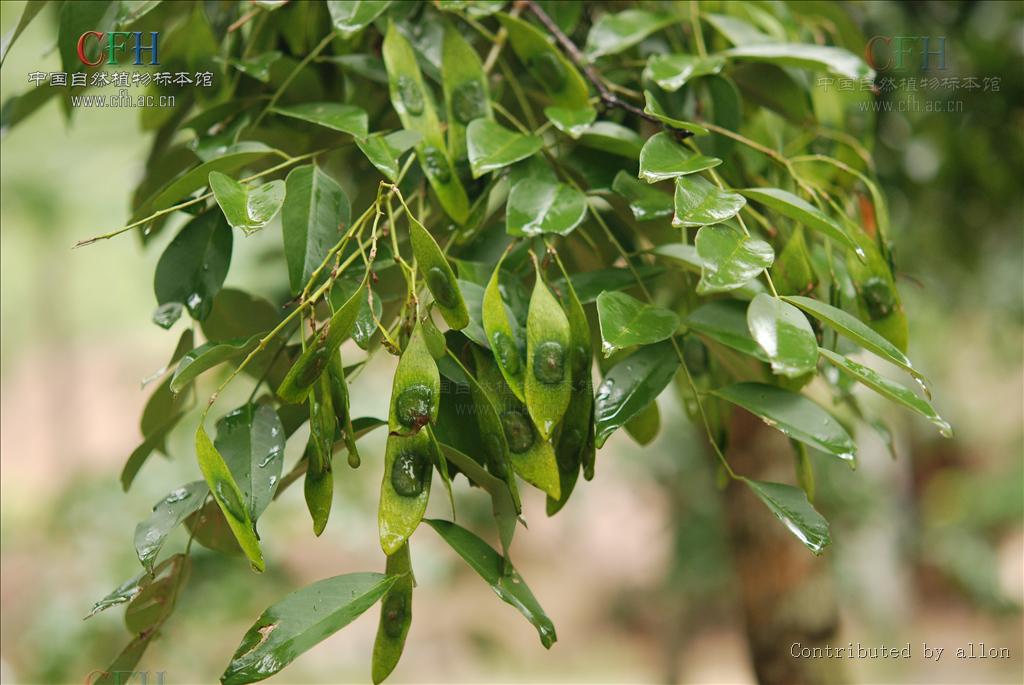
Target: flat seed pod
<point x="405" y="489"/>
<point x="340" y="403"/>
<point x="416" y="387"/>
<point x="466" y="96"/>
<point x="440" y="278"/>
<point x="548" y="384"/>
<point x="319" y="483"/>
<point x="501" y="335"/>
<point x="395" y="616"/>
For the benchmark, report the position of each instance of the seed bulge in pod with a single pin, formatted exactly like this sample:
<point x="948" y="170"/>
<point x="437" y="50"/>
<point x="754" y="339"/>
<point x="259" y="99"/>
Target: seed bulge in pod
<point x="547" y="68"/>
<point x="518" y="430"/>
<point x="394" y="614"/>
<point x="495" y="462"/>
<point x="878" y="298"/>
<point x="549" y="362"/>
<point x="506" y="351"/>
<point x="469" y="102"/>
<point x="414" y="404"/>
<point x="437" y="165"/>
<point x="410" y="94"/>
<point x="441" y="287"/>
<point x="407" y="473"/>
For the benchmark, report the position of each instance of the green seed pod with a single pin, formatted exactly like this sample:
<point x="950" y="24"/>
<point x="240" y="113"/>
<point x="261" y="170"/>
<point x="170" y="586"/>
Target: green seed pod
<point x="340" y="402"/>
<point x="878" y="298"/>
<point x="548" y="387"/>
<point x="555" y="73"/>
<point x="466" y="95"/>
<point x="501" y="334"/>
<point x="410" y="94"/>
<point x="405" y="488"/>
<point x="416" y="388"/>
<point x="439" y="277"/>
<point x="395" y="616"/>
<point x="518" y="431"/>
<point x="319" y="483"/>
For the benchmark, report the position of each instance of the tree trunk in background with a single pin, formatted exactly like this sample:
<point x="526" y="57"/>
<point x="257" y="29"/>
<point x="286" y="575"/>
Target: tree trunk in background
<point x="787" y="593"/>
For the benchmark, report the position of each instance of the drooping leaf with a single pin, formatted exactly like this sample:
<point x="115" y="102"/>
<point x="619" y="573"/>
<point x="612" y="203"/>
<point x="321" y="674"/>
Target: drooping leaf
<point x="537" y="206"/>
<point x="613" y="33"/>
<point x="631" y="385"/>
<point x="725" y="322"/>
<point x="698" y="202"/>
<point x="608" y="136"/>
<point x="251" y="440"/>
<point x="808" y="56"/>
<point x="645" y="202"/>
<point x="792" y="414"/>
<point x="789" y="205"/>
<point x="351" y="16"/>
<point x="626" y="321"/>
<point x="492" y="146"/>
<point x="571" y="122"/>
<point x="248" y="208"/>
<point x="655" y="109"/>
<point x="301" y="620"/>
<point x="466" y="94"/>
<point x="672" y="71"/>
<point x="316" y="211"/>
<point x="129" y="589"/>
<point x="736" y="30"/>
<point x="194" y="265"/>
<point x="499" y="574"/>
<point x="168" y="514"/>
<point x="558" y="77"/>
<point x="775" y="89"/>
<point x="338" y="117"/>
<point x="258" y="67"/>
<point x="730" y="258"/>
<point x="791" y="507"/>
<point x="785" y="335"/>
<point x="383" y="151"/>
<point x="681" y="253"/>
<point x="207" y="356"/>
<point x="663" y="158"/>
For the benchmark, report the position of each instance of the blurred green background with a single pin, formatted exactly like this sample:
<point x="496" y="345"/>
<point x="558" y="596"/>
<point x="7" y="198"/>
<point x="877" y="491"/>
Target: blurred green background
<point x="634" y="573"/>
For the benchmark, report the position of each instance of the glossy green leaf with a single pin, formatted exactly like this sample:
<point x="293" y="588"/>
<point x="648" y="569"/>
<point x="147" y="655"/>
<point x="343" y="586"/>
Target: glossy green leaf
<point x="682" y="253"/>
<point x="155" y="603"/>
<point x="654" y="108"/>
<point x="439" y="276"/>
<point x="808" y="56"/>
<point x="791" y="507"/>
<point x="503" y="335"/>
<point x="888" y="389"/>
<point x="736" y="30"/>
<point x="499" y="574"/>
<point x="613" y="33"/>
<point x="785" y="335"/>
<point x="672" y="71"/>
<point x="590" y="284"/>
<point x="316" y="212"/>
<point x="571" y="122"/>
<point x="248" y="208"/>
<point x="548" y="383"/>
<point x="129" y="589"/>
<point x="774" y="88"/>
<point x="351" y="16"/>
<point x="792" y="414"/>
<point x="558" y="77"/>
<point x="258" y="67"/>
<point x="492" y="146"/>
<point x="608" y="136"/>
<point x="301" y="620"/>
<point x="168" y="514"/>
<point x="537" y="206"/>
<point x="789" y="205"/>
<point x="859" y="332"/>
<point x="626" y="321"/>
<point x="663" y="158"/>
<point x="383" y="151"/>
<point x="644" y="426"/>
<point x="645" y="202"/>
<point x="207" y="356"/>
<point x="395" y="616"/>
<point x="730" y="258"/>
<point x="631" y="385"/>
<point x="251" y="440"/>
<point x="698" y="202"/>
<point x="335" y="116"/>
<point x="725" y="322"/>
<point x="466" y="94"/>
<point x="194" y="265"/>
<point x="229" y="497"/>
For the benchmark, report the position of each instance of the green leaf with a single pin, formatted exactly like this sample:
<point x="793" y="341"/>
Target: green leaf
<point x="258" y="67"/>
<point x="626" y="321"/>
<point x="383" y="151"/>
<point x="785" y="335"/>
<point x="663" y="158"/>
<point x="590" y="284"/>
<point x="32" y="8"/>
<point x="571" y="122"/>
<point x="793" y="272"/>
<point x="725" y="322"/>
<point x="613" y="33"/>
<point x="248" y="208"/>
<point x="395" y="616"/>
<point x="774" y="88"/>
<point x="558" y="77"/>
<point x="817" y="57"/>
<point x="698" y="202"/>
<point x="645" y="202"/>
<point x="537" y="206"/>
<point x="888" y="389"/>
<point x="75" y="19"/>
<point x="672" y="71"/>
<point x="631" y="385"/>
<point x="251" y="440"/>
<point x="345" y="118"/>
<point x="736" y="30"/>
<point x="351" y="16"/>
<point x="791" y="507"/>
<point x="492" y="146"/>
<point x="466" y="95"/>
<point x="654" y="108"/>
<point x="856" y="330"/>
<point x="194" y="265"/>
<point x="229" y="497"/>
<point x="129" y="589"/>
<point x="316" y="211"/>
<point x="683" y="253"/>
<point x="792" y="414"/>
<point x="207" y="356"/>
<point x="301" y="620"/>
<point x="439" y="276"/>
<point x="730" y="258"/>
<point x="499" y="573"/>
<point x="614" y="138"/>
<point x="168" y="514"/>
<point x="789" y="205"/>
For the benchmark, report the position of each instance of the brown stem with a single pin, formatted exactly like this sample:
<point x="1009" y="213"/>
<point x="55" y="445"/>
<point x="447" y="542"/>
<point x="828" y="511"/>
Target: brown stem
<point x="608" y="98"/>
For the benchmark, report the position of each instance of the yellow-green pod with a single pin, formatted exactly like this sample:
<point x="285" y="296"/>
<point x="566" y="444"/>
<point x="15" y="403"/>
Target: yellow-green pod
<point x="415" y="107"/>
<point x="319" y="483"/>
<point x="405" y="489"/>
<point x="531" y="456"/>
<point x="548" y="383"/>
<point x="440" y="278"/>
<point x="466" y="95"/>
<point x="502" y="336"/>
<point x="416" y="388"/>
<point x="340" y="402"/>
<point x="395" y="616"/>
<point x="547" y="65"/>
